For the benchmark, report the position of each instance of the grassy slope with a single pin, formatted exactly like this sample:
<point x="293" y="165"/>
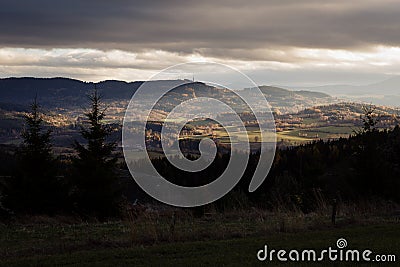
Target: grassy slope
<point x="40" y="246"/>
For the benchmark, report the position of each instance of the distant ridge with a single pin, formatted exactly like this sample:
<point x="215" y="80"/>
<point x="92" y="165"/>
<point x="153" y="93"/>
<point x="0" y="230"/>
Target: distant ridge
<point x="66" y="93"/>
<point x="277" y="91"/>
<point x="25" y="89"/>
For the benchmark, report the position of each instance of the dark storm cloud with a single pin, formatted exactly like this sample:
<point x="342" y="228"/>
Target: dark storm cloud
<point x="204" y="27"/>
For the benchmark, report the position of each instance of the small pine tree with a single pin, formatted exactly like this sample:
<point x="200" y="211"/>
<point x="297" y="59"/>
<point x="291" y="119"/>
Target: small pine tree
<point x="36" y="141"/>
<point x="369" y="120"/>
<point x="97" y="191"/>
<point x="35" y="187"/>
<point x="367" y="153"/>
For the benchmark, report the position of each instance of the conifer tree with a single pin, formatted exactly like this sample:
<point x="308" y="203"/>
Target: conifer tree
<point x="35" y="187"/>
<point x="97" y="191"/>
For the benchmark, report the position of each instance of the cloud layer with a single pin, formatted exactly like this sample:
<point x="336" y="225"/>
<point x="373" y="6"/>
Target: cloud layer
<point x="77" y="36"/>
<point x="188" y="26"/>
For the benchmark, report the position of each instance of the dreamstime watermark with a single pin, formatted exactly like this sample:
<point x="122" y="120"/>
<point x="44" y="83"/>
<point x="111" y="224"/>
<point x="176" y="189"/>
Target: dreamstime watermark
<point x="338" y="253"/>
<point x="173" y="101"/>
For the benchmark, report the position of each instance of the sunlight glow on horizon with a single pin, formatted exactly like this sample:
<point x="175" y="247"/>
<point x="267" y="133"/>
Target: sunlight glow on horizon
<point x="96" y="65"/>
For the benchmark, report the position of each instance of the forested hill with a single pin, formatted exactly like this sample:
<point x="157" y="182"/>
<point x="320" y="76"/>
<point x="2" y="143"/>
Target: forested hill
<point x="25" y="89"/>
<point x="65" y="91"/>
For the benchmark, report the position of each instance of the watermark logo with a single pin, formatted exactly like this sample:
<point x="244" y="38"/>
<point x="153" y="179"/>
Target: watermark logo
<point x="193" y="91"/>
<point x="341" y="243"/>
<point x="338" y="253"/>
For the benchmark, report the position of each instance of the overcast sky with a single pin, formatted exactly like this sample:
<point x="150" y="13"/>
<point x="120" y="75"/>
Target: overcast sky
<point x="274" y="42"/>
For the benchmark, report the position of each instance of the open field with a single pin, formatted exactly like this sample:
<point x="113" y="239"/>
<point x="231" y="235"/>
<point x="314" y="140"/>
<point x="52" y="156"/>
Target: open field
<point x="109" y="244"/>
<point x="295" y="136"/>
<point x="324" y="132"/>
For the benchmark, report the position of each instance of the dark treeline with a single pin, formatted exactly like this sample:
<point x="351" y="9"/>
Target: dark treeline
<point x="34" y="181"/>
<point x="365" y="166"/>
<point x="362" y="167"/>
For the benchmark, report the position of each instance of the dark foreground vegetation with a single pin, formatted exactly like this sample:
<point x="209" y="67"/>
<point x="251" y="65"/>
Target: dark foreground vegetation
<point x="35" y="182"/>
<point x="58" y="210"/>
<point x="304" y="178"/>
<point x="364" y="166"/>
<point x="41" y="243"/>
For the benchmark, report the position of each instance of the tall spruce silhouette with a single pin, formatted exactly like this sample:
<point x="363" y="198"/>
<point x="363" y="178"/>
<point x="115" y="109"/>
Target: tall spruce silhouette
<point x="35" y="187"/>
<point x="97" y="190"/>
